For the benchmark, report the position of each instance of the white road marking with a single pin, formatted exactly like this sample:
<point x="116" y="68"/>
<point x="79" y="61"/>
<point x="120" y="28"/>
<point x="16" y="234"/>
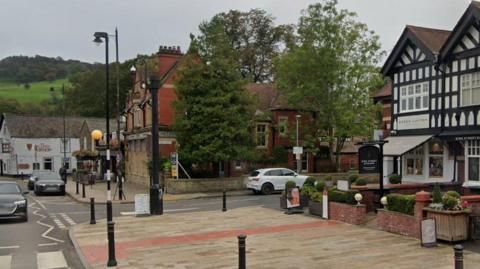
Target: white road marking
<point x="127" y="213"/>
<point x="9" y="247"/>
<point x="57" y="221"/>
<point x="67" y="219"/>
<point x="44" y="235"/>
<point x="6" y="262"/>
<point x="48" y="260"/>
<point x="167" y="210"/>
<point x="39" y="203"/>
<point x="47" y="244"/>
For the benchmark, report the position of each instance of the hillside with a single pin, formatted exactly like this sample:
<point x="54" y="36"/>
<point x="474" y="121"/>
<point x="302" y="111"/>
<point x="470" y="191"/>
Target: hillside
<point x="36" y="93"/>
<point x="25" y="69"/>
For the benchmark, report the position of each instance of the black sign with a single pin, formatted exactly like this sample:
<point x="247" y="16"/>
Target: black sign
<point x="368" y="157"/>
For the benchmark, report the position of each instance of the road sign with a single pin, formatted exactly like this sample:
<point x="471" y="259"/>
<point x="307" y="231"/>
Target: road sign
<point x="174" y="171"/>
<point x="173" y="158"/>
<point x="297" y="150"/>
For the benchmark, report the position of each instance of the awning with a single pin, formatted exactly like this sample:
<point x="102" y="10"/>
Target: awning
<point x="460" y="135"/>
<point x="398" y="145"/>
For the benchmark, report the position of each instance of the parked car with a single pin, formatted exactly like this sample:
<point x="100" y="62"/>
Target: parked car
<point x="48" y="183"/>
<point x="36" y="174"/>
<point x="13" y="203"/>
<point x="268" y="180"/>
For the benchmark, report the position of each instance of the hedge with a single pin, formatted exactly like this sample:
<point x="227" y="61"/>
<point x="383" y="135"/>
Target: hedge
<point x="346" y="197"/>
<point x="401" y="203"/>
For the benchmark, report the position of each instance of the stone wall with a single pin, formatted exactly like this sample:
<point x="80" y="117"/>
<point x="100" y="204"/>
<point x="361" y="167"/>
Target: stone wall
<point x="398" y="223"/>
<point x="353" y="214"/>
<point x="178" y="186"/>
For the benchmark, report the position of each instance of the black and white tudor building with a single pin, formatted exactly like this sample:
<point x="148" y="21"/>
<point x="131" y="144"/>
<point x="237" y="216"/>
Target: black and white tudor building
<point x="436" y="103"/>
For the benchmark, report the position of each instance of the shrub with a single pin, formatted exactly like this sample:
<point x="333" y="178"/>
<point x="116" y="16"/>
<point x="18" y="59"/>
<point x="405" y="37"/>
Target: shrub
<point x="453" y="194"/>
<point x="279" y="155"/>
<point x="437" y="194"/>
<point x="310" y="181"/>
<point x="320" y="186"/>
<point x="401" y="203"/>
<point x="395" y="179"/>
<point x="361" y="182"/>
<point x="327" y="178"/>
<point x="450" y="202"/>
<point x="307" y="190"/>
<point x="353" y="178"/>
<point x="338" y="196"/>
<point x="317" y="197"/>
<point x="350" y="197"/>
<point x="290" y="185"/>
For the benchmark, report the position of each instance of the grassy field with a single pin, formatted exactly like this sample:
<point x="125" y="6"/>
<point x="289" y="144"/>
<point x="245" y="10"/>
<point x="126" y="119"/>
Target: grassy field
<point x="38" y="91"/>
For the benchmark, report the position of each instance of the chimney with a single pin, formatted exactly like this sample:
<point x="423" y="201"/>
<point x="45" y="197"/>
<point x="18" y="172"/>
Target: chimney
<point x="172" y="50"/>
<point x="167" y="56"/>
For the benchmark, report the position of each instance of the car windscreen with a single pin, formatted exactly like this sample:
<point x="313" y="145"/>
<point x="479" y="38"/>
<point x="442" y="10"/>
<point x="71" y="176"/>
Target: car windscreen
<point x="254" y="173"/>
<point x="41" y="177"/>
<point x="9" y="188"/>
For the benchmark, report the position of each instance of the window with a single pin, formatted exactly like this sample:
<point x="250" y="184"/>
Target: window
<point x="414" y="97"/>
<point x="277" y="172"/>
<point x="473" y="160"/>
<point x="415" y="162"/>
<point x="435" y="160"/>
<point x="67" y="163"/>
<point x="286" y="172"/>
<point x="238" y="165"/>
<point x="48" y="164"/>
<point x="470" y="93"/>
<point x="65" y="143"/>
<point x="282" y="126"/>
<point x="36" y="166"/>
<point x="5" y="148"/>
<point x="261" y="135"/>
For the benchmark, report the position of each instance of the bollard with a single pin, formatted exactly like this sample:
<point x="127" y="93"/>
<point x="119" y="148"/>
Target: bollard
<point x="76" y="187"/>
<point x="224" y="208"/>
<point x="92" y="210"/>
<point x="83" y="190"/>
<point x="458" y="250"/>
<point x="111" y="244"/>
<point x="241" y="251"/>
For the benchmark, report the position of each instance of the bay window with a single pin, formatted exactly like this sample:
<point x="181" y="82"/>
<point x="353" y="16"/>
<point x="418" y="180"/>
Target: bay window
<point x="435" y="160"/>
<point x="473" y="160"/>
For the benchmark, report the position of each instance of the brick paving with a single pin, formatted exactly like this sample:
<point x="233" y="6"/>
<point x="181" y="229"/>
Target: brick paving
<point x="275" y="240"/>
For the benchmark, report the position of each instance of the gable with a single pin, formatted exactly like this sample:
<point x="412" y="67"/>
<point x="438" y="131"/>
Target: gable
<point x="470" y="39"/>
<point x="411" y="55"/>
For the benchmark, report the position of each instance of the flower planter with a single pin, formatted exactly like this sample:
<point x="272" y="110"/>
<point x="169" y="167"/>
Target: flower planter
<point x="451" y="226"/>
<point x="283" y="202"/>
<point x="315" y="208"/>
<point x="304" y="200"/>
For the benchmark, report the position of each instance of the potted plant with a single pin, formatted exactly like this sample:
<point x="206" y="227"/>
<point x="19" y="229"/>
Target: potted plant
<point x="283" y="198"/>
<point x="307" y="189"/>
<point x="395" y="179"/>
<point x="316" y="199"/>
<point x="451" y="218"/>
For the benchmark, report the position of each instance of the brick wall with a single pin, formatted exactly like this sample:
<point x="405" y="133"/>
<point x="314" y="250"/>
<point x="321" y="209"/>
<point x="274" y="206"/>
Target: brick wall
<point x="352" y="214"/>
<point x="177" y="186"/>
<point x="398" y="223"/>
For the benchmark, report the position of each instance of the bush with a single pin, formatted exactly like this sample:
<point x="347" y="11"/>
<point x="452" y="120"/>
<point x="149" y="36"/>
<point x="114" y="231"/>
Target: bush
<point x="450" y="202"/>
<point x="317" y="197"/>
<point x="346" y="197"/>
<point x="401" y="203"/>
<point x="436" y="194"/>
<point x="310" y="181"/>
<point x="453" y="194"/>
<point x="395" y="179"/>
<point x="307" y="190"/>
<point x="350" y="197"/>
<point x="279" y="155"/>
<point x="320" y="186"/>
<point x="353" y="178"/>
<point x="290" y="185"/>
<point x="327" y="178"/>
<point x="361" y="182"/>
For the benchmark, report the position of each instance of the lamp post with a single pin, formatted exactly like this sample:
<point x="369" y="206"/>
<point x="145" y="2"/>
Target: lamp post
<point x="156" y="198"/>
<point x="110" y="224"/>
<point x="298" y="156"/>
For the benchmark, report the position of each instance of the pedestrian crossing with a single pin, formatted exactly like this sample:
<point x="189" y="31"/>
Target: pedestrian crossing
<point x="44" y="260"/>
<point x="62" y="220"/>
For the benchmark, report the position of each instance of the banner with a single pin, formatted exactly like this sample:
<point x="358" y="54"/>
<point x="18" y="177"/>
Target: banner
<point x="293" y="198"/>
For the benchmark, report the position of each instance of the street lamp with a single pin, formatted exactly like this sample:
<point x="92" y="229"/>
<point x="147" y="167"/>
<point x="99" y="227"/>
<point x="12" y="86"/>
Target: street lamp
<point x="156" y="198"/>
<point x="298" y="155"/>
<point x="110" y="224"/>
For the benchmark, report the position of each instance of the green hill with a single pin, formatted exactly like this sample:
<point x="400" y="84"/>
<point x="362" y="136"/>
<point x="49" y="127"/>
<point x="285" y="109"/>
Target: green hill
<point x="38" y="91"/>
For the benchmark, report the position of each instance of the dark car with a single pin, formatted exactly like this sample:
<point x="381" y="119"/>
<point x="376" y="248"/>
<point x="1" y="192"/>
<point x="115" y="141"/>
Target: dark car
<point x="48" y="183"/>
<point x="12" y="201"/>
<point x="39" y="174"/>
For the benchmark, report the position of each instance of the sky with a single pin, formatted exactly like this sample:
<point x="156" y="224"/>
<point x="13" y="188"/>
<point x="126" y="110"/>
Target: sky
<point x="65" y="27"/>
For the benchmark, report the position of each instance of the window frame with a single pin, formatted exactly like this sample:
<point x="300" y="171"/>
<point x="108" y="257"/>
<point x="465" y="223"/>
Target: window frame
<point x="259" y="134"/>
<point x="409" y="95"/>
<point x="51" y="163"/>
<point x="467" y="86"/>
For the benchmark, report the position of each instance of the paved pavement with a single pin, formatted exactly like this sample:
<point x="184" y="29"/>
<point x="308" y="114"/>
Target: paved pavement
<point x="275" y="240"/>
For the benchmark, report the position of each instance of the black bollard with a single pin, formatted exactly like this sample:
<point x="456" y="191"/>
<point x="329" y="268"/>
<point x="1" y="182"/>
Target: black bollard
<point x="92" y="210"/>
<point x="241" y="251"/>
<point x="76" y="187"/>
<point x="83" y="190"/>
<point x="111" y="244"/>
<point x="458" y="250"/>
<point x="224" y="208"/>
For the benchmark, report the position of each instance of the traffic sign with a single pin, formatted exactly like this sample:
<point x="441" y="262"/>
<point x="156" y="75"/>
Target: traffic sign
<point x="297" y="150"/>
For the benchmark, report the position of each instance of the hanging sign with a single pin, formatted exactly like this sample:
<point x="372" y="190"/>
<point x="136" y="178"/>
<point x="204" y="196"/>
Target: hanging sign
<point x="368" y="159"/>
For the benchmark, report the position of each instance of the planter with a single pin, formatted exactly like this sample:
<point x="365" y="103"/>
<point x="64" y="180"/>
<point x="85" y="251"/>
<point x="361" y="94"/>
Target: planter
<point x="315" y="208"/>
<point x="304" y="200"/>
<point x="451" y="226"/>
<point x="283" y="202"/>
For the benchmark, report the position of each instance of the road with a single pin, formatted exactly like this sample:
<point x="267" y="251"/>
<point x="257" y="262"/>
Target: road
<point x="43" y="242"/>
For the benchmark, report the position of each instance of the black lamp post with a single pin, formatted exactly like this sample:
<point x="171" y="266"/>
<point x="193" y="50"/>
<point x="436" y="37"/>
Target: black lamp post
<point x="110" y="224"/>
<point x="156" y="199"/>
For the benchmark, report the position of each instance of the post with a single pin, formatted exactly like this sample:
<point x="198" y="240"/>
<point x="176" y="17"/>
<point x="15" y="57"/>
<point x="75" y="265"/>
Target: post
<point x="76" y="185"/>
<point x="224" y="208"/>
<point x="83" y="190"/>
<point x="92" y="210"/>
<point x="458" y="250"/>
<point x="111" y="244"/>
<point x="156" y="202"/>
<point x="381" y="168"/>
<point x="298" y="156"/>
<point x="64" y="171"/>
<point x="241" y="251"/>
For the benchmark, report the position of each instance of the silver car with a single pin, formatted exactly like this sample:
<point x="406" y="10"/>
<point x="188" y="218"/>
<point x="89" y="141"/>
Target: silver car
<point x="48" y="183"/>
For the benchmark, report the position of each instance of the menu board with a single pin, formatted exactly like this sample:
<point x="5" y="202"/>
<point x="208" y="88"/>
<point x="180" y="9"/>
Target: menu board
<point x="142" y="204"/>
<point x="429" y="233"/>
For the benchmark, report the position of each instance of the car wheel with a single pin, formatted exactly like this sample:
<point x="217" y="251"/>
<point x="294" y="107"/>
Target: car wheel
<point x="255" y="192"/>
<point x="267" y="188"/>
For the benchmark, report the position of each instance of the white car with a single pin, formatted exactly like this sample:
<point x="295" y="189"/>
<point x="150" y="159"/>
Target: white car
<point x="269" y="180"/>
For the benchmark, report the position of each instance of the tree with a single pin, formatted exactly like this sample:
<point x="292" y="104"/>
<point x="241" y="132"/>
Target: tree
<point x="332" y="71"/>
<point x="255" y="39"/>
<point x="213" y="110"/>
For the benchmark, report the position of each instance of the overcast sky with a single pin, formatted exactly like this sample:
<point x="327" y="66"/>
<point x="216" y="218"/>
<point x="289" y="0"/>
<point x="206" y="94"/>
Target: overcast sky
<point x="65" y="27"/>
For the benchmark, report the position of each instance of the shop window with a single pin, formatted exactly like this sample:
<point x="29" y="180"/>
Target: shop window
<point x="261" y="135"/>
<point x="473" y="160"/>
<point x="415" y="162"/>
<point x="282" y="126"/>
<point x="48" y="164"/>
<point x="435" y="160"/>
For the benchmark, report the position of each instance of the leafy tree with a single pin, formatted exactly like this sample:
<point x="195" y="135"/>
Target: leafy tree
<point x="255" y="39"/>
<point x="213" y="110"/>
<point x="332" y="70"/>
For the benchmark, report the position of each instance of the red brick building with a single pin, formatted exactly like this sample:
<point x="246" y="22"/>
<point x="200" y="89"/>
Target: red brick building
<point x="384" y="97"/>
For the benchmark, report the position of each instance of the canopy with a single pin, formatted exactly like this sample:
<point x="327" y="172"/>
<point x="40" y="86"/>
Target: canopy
<point x="398" y="145"/>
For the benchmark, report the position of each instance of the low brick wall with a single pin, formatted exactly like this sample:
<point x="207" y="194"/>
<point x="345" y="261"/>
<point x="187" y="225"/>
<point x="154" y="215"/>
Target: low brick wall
<point x="353" y="214"/>
<point x="398" y="223"/>
<point x="472" y="200"/>
<point x="179" y="186"/>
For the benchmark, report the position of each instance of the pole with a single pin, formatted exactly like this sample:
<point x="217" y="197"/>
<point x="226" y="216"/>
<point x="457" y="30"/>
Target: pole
<point x="458" y="252"/>
<point x="119" y="181"/>
<point x="224" y="208"/>
<point x="156" y="202"/>
<point x="83" y="190"/>
<point x="64" y="171"/>
<point x="381" y="169"/>
<point x="92" y="210"/>
<point x="241" y="251"/>
<point x="299" y="161"/>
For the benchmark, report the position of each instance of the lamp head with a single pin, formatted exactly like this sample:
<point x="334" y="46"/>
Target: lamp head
<point x="96" y="135"/>
<point x="133" y="70"/>
<point x="298" y="116"/>
<point x="98" y="37"/>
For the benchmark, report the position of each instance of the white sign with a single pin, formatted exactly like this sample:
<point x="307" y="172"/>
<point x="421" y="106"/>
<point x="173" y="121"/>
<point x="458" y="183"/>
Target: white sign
<point x="142" y="204"/>
<point x="413" y="122"/>
<point x="293" y="200"/>
<point x="429" y="233"/>
<point x="297" y="150"/>
<point x="343" y="185"/>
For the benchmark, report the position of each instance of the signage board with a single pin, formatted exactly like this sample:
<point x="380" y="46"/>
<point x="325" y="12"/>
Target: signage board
<point x="413" y="122"/>
<point x="368" y="159"/>
<point x="174" y="171"/>
<point x="293" y="199"/>
<point x="297" y="150"/>
<point x="429" y="233"/>
<point x="142" y="204"/>
<point x="343" y="185"/>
